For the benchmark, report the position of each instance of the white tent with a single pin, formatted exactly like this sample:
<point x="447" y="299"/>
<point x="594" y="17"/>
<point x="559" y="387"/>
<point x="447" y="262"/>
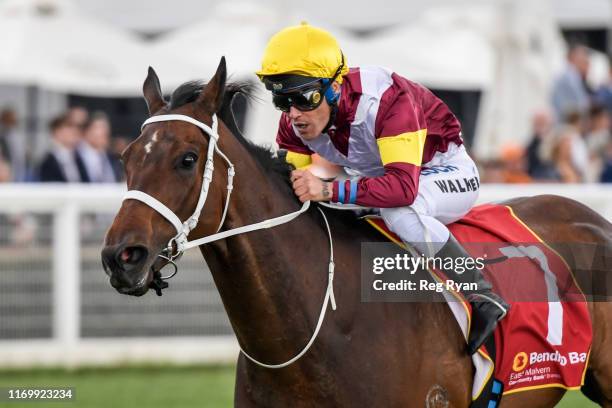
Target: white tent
<point x="47" y="43"/>
<point x="583" y="13"/>
<point x="238" y="31"/>
<point x="511" y="50"/>
<point x="436" y="55"/>
<point x="529" y="54"/>
<point x="50" y="44"/>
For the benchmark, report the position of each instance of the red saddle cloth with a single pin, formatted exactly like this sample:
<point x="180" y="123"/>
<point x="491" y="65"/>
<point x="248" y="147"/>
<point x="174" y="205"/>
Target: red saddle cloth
<point x="545" y="339"/>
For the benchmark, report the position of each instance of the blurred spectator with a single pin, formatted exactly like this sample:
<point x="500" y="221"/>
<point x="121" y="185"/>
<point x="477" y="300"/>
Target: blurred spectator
<point x="597" y="140"/>
<point x="570" y="93"/>
<point x="514" y="164"/>
<point x="561" y="154"/>
<point x="491" y="171"/>
<point x="118" y="146"/>
<point x="603" y="95"/>
<point x="78" y="116"/>
<point x="537" y="166"/>
<point x="62" y="163"/>
<point x="599" y="128"/>
<point x="7" y="121"/>
<point x="120" y="143"/>
<point x="12" y="145"/>
<point x="5" y="172"/>
<point x="606" y="173"/>
<point x="101" y="165"/>
<point x="579" y="152"/>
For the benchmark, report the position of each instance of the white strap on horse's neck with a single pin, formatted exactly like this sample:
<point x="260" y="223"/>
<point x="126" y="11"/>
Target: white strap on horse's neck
<point x="329" y="297"/>
<point x="272" y="222"/>
<point x="184" y="228"/>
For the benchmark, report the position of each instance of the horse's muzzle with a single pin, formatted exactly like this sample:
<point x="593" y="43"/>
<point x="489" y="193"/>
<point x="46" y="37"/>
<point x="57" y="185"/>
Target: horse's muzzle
<point x="127" y="268"/>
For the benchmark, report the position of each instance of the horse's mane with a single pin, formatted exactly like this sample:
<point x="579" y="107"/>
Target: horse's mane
<point x="237" y="94"/>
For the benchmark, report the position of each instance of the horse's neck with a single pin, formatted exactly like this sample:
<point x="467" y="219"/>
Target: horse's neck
<point x="270" y="283"/>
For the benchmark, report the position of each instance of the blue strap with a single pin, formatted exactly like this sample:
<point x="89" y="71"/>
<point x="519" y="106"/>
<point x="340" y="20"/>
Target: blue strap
<point x="497" y="387"/>
<point x="353" y="195"/>
<point x="341" y="192"/>
<point x="496" y="393"/>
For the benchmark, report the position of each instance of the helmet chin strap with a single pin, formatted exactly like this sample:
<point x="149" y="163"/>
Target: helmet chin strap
<point x="332" y="101"/>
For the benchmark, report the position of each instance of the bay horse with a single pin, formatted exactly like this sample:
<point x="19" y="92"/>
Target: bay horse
<point x="272" y="281"/>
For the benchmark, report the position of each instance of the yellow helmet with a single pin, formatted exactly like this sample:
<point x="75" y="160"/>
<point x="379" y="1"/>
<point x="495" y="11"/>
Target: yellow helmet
<point x="303" y="50"/>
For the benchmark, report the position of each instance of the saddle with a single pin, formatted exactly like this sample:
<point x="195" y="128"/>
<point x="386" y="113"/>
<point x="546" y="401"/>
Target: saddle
<point x="545" y="339"/>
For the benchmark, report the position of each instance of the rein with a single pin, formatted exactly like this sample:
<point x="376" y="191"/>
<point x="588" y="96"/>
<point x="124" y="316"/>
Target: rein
<point x="180" y="243"/>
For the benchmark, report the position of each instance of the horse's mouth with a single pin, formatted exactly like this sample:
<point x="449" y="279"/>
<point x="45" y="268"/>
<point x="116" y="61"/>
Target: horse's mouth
<point x="137" y="289"/>
<point x="141" y="287"/>
<point x="133" y="272"/>
<point x="129" y="267"/>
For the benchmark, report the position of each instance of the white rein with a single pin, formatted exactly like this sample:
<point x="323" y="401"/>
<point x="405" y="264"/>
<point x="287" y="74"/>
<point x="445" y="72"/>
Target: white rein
<point x="184" y="228"/>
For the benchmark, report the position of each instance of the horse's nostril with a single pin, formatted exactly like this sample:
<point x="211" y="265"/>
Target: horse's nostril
<point x="106" y="267"/>
<point x="131" y="255"/>
<point x="125" y="255"/>
<point x="121" y="259"/>
<point x="108" y="259"/>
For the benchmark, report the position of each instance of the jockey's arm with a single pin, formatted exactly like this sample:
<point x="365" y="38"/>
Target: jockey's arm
<point x="315" y="164"/>
<point x="323" y="168"/>
<point x="400" y="137"/>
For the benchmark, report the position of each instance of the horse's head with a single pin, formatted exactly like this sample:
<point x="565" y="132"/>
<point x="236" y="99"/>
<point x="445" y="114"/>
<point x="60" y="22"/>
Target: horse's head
<point x="165" y="168"/>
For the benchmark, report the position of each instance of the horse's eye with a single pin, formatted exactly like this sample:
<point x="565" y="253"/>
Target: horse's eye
<point x="189" y="160"/>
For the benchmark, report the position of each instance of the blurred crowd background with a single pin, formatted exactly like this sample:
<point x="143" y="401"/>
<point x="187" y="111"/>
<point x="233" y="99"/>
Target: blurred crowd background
<point x="530" y="80"/>
<point x="569" y="141"/>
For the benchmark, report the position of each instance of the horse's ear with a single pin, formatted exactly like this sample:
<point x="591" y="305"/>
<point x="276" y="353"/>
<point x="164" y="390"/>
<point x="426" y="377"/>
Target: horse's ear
<point x="211" y="97"/>
<point x="151" y="89"/>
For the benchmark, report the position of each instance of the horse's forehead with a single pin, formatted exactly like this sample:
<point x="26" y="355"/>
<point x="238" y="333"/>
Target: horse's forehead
<point x="161" y="140"/>
<point x="169" y="133"/>
<point x="148" y="147"/>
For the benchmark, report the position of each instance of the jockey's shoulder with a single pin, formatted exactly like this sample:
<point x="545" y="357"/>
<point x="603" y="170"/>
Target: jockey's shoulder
<point x="372" y="79"/>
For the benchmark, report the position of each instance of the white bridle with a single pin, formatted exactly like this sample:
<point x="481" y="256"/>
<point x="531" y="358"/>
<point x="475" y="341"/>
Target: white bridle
<point x="184" y="228"/>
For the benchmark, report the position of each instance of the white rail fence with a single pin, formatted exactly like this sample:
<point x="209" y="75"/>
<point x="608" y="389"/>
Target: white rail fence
<point x="57" y="308"/>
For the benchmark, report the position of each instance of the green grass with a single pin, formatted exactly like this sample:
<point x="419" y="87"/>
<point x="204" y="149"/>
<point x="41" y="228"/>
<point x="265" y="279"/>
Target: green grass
<point x="133" y="387"/>
<point x="575" y="399"/>
<point x="152" y="387"/>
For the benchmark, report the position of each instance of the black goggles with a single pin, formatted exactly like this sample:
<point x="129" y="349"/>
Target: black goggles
<point x="306" y="100"/>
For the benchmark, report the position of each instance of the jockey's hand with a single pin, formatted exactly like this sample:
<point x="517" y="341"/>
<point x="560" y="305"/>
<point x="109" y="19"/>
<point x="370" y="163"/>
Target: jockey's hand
<point x="309" y="187"/>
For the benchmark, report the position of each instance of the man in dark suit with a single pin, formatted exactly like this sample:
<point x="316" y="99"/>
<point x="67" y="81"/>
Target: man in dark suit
<point x="101" y="166"/>
<point x="62" y="164"/>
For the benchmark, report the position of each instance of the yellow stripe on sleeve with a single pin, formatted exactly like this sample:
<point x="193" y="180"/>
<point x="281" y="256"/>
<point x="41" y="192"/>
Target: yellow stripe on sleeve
<point x="405" y="148"/>
<point x="298" y="160"/>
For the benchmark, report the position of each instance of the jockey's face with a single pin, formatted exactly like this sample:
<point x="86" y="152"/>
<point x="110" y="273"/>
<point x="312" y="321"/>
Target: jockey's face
<point x="310" y="124"/>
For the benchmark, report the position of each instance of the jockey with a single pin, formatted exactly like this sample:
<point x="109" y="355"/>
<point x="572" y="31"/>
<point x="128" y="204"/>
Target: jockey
<point x="400" y="142"/>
